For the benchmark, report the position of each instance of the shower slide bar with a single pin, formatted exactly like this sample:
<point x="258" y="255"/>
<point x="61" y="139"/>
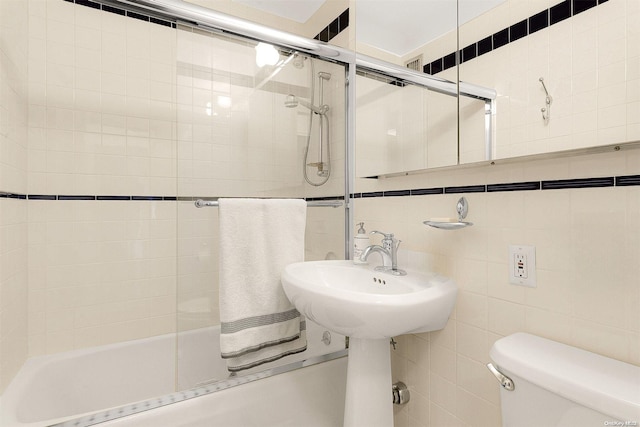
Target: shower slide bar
<point x="311" y="203"/>
<point x="192" y="14"/>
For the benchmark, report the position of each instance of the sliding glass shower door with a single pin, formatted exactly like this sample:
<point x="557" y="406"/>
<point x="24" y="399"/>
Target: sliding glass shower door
<point x="239" y="133"/>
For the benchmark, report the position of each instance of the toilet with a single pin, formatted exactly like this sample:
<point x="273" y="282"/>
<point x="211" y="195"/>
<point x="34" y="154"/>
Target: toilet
<point x="546" y="383"/>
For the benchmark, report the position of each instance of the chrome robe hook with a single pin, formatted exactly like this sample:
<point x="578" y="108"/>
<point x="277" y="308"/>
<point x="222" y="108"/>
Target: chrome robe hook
<point x="546" y="111"/>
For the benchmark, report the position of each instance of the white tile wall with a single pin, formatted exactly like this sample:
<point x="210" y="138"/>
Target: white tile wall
<point x="325" y="14"/>
<point x="101" y="107"/>
<point x="254" y="146"/>
<point x="587" y="248"/>
<point x="13" y="289"/>
<point x="583" y="237"/>
<point x="391" y="138"/>
<point x="100" y="272"/>
<point x="588" y="68"/>
<point x="101" y="121"/>
<point x="123" y="107"/>
<point x="13" y="178"/>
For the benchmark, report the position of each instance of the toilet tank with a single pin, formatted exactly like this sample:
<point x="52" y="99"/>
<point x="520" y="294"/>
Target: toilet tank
<point x="559" y="385"/>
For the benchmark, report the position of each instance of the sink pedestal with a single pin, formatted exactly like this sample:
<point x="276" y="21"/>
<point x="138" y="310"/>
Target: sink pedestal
<point x="369" y="398"/>
<point x="369" y="307"/>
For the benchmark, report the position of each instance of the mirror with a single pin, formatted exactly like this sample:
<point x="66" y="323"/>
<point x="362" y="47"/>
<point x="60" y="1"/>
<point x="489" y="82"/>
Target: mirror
<point x="587" y="53"/>
<point x="566" y="73"/>
<point x="400" y="126"/>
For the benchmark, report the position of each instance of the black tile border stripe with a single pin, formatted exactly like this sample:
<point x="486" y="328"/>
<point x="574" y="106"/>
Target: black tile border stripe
<point x="164" y="21"/>
<point x="618" y="181"/>
<point x="5" y="195"/>
<point x="427" y="191"/>
<point x="578" y="183"/>
<point x="334" y="28"/>
<point x="465" y="189"/>
<point x="627" y="180"/>
<point x="88" y="3"/>
<point x="396" y="193"/>
<point x="147" y="198"/>
<point x="329" y="198"/>
<point x="76" y="197"/>
<point x="558" y="184"/>
<point x="515" y="186"/>
<point x="109" y="198"/>
<point x="543" y="19"/>
<point x="373" y="194"/>
<point x="42" y="197"/>
<point x="112" y="9"/>
<point x="103" y="198"/>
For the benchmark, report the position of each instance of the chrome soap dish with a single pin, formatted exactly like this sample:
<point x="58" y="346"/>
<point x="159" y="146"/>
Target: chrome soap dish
<point x="462" y="207"/>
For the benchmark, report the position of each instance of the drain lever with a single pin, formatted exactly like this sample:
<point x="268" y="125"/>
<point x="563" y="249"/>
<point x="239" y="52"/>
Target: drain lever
<point x="505" y="381"/>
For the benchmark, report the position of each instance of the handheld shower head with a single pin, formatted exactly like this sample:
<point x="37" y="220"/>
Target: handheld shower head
<point x="292" y="101"/>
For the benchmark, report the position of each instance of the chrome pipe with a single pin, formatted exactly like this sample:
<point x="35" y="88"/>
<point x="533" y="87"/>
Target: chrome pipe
<point x="201" y="16"/>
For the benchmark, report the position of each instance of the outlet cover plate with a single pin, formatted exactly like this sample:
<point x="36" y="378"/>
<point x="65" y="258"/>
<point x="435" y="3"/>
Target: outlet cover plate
<point x="522" y="265"/>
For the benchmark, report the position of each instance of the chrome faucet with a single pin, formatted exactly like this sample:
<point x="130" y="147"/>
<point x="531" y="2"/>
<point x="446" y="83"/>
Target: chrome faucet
<point x="389" y="253"/>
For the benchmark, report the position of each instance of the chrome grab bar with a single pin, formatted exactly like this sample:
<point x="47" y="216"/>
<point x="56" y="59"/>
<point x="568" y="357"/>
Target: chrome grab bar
<point x="200" y="203"/>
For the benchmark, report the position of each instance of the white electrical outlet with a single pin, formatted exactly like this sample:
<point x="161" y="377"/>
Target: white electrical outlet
<point x="522" y="265"/>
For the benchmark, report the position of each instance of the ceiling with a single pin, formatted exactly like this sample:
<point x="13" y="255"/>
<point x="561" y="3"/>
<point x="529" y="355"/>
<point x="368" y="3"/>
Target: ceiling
<point x="395" y="26"/>
<point x="295" y="10"/>
<point x="401" y="26"/>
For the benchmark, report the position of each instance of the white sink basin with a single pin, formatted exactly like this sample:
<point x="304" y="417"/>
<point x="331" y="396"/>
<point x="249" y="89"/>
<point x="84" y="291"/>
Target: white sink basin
<point x="369" y="307"/>
<point x="357" y="301"/>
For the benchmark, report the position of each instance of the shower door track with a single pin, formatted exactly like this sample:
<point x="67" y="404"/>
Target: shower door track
<point x="201" y="389"/>
<point x="194" y="15"/>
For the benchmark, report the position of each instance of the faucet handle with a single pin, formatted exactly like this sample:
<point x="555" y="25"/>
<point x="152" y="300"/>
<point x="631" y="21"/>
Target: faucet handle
<point x="388" y="240"/>
<point x="387" y="236"/>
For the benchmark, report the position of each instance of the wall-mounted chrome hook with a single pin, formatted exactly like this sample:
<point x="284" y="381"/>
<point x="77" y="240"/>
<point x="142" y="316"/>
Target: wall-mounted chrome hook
<point x="549" y="98"/>
<point x="546" y="111"/>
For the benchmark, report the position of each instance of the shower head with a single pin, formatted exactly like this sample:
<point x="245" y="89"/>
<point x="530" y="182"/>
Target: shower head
<point x="298" y="61"/>
<point x="292" y="101"/>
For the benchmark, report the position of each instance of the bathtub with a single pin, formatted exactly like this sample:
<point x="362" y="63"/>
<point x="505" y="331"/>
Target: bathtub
<point x="105" y="383"/>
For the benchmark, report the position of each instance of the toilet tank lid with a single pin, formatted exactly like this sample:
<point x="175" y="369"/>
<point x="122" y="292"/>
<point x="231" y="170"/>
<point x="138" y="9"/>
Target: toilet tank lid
<point x="601" y="383"/>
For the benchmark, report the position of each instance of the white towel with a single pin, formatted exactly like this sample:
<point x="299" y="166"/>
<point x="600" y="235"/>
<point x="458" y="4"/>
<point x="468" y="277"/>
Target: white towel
<point x="258" y="238"/>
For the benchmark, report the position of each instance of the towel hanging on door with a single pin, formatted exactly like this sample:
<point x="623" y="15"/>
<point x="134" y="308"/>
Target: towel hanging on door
<point x="258" y="238"/>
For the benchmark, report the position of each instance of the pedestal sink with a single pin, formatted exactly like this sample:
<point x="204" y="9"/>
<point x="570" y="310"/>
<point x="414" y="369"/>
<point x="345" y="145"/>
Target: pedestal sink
<point x="369" y="307"/>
